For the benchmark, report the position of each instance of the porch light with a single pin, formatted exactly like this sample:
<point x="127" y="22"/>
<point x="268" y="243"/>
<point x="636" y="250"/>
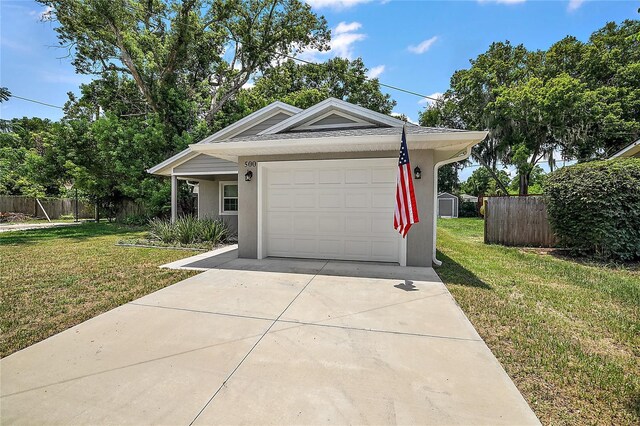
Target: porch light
<point x="248" y="176"/>
<point x="417" y="173"/>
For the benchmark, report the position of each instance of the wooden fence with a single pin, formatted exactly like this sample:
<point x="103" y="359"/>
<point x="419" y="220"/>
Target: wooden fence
<point x="55" y="207"/>
<point x="517" y="221"/>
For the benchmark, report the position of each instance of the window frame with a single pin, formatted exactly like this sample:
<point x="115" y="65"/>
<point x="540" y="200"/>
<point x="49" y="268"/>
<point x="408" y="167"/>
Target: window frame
<point x="221" y="210"/>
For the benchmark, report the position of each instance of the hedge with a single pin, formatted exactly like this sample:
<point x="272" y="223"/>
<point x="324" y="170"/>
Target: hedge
<point x="468" y="209"/>
<point x="594" y="208"/>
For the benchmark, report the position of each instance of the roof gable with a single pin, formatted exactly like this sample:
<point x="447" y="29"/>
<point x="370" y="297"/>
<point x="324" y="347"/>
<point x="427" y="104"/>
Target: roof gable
<point x="333" y="113"/>
<point x="277" y="111"/>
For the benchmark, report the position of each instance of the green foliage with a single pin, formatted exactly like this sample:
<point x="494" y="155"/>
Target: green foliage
<point x="579" y="99"/>
<point x="5" y="94"/>
<point x="190" y="230"/>
<point x="186" y="58"/>
<point x="304" y="85"/>
<point x="468" y="209"/>
<point x="448" y="178"/>
<point x="481" y="182"/>
<point x="594" y="208"/>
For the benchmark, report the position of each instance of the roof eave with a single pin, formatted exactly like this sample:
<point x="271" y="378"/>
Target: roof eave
<point x="453" y="142"/>
<point x="628" y="151"/>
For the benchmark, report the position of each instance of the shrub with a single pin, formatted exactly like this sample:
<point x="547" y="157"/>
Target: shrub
<point x="135" y="220"/>
<point x="594" y="208"/>
<point x="162" y="230"/>
<point x="468" y="209"/>
<point x="189" y="230"/>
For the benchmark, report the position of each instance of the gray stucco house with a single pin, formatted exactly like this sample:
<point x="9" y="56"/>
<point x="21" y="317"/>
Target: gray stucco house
<point x="318" y="183"/>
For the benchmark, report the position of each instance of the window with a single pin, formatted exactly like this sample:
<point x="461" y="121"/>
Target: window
<point x="228" y="198"/>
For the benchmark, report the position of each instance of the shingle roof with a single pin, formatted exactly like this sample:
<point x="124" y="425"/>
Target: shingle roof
<point x="342" y="132"/>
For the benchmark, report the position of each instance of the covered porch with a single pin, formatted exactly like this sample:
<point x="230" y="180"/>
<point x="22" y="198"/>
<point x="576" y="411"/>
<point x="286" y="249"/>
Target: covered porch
<point x="217" y="196"/>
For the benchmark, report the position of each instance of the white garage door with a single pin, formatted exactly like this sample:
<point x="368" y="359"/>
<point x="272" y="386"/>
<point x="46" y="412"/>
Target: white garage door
<point x="330" y="209"/>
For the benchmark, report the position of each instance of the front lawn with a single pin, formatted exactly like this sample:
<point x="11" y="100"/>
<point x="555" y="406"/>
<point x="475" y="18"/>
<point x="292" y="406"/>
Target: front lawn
<point x="568" y="333"/>
<point x="53" y="279"/>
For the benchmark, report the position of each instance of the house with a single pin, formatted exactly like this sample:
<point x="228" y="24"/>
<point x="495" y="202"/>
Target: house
<point x="318" y="183"/>
<point x="447" y="205"/>
<point x="633" y="150"/>
<point x="466" y="198"/>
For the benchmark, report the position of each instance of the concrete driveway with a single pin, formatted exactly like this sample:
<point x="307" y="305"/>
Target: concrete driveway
<point x="269" y="342"/>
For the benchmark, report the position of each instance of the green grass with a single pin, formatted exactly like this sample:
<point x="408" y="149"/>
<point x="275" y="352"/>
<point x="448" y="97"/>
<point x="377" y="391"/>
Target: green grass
<point x="53" y="279"/>
<point x="567" y="332"/>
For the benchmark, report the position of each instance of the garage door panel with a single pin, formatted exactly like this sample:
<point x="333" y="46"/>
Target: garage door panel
<point x="331" y="209"/>
<point x="357" y="175"/>
<point x="357" y="225"/>
<point x="279" y="177"/>
<point x="329" y="249"/>
<point x="330" y="176"/>
<point x="276" y="245"/>
<point x="305" y="246"/>
<point x="356" y="200"/>
<point x="305" y="225"/>
<point x="330" y="224"/>
<point x="384" y="175"/>
<point x="331" y="200"/>
<point x="279" y="223"/>
<point x="304" y="177"/>
<point x="384" y="249"/>
<point x="304" y="200"/>
<point x="380" y="200"/>
<point x="357" y="249"/>
<point x="279" y="199"/>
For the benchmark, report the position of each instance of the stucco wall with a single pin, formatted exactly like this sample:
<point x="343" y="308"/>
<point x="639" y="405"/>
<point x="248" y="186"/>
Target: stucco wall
<point x="209" y="201"/>
<point x="420" y="238"/>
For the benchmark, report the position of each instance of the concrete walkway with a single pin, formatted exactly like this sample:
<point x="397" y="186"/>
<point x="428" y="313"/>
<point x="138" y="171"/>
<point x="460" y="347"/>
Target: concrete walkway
<point x="270" y="342"/>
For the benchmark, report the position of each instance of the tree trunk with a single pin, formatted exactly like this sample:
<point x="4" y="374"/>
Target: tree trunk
<point x="495" y="176"/>
<point x="97" y="211"/>
<point x="524" y="184"/>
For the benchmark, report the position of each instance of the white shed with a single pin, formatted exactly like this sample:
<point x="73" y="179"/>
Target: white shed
<point x="447" y="205"/>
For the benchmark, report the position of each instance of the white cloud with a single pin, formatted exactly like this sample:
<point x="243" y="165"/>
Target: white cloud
<point x="399" y="115"/>
<point x="375" y="72"/>
<point x="248" y="85"/>
<point x="423" y="46"/>
<point x="43" y="14"/>
<point x="574" y="5"/>
<point x="343" y="27"/>
<point x="343" y="38"/>
<point x="335" y="4"/>
<point x="428" y="101"/>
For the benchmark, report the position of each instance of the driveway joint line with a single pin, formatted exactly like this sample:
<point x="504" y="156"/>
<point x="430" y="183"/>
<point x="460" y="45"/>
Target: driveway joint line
<point x="224" y="383"/>
<point x="202" y="312"/>
<point x="373" y="330"/>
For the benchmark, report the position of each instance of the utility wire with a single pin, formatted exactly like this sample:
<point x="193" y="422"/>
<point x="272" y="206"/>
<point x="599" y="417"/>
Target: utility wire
<point x="379" y="82"/>
<point x="35" y="102"/>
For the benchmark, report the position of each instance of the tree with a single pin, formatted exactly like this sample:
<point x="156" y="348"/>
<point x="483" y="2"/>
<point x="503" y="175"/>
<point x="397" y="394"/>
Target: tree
<point x="580" y="100"/>
<point x="5" y="94"/>
<point x="186" y="57"/>
<point x="448" y="178"/>
<point x="304" y="85"/>
<point x="481" y="182"/>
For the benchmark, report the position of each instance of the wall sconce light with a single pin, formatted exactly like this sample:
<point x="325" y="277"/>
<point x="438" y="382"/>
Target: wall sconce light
<point x="417" y="173"/>
<point x="248" y="176"/>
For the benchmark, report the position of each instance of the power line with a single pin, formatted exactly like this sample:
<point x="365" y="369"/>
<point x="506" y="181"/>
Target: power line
<point x="399" y="89"/>
<point x="36" y="102"/>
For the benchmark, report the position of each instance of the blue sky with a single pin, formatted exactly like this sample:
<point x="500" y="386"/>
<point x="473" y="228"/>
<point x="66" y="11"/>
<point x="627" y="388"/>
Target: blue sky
<point x="416" y="45"/>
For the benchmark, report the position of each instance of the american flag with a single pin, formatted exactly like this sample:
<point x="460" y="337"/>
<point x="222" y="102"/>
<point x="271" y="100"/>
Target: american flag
<point x="406" y="211"/>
